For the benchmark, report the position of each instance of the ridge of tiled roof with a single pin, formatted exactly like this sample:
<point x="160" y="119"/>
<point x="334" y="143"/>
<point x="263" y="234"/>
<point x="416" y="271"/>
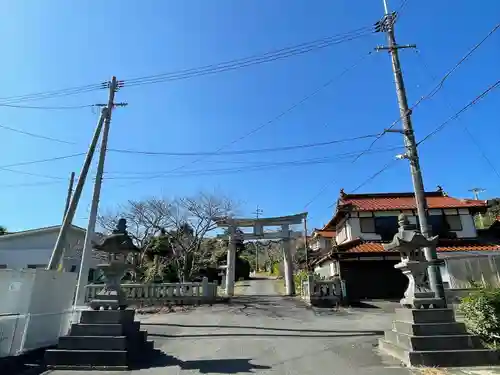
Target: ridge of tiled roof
<point x="399" y="201"/>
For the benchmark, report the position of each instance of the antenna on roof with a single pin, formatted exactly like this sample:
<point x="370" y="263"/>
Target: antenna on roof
<point x="476" y="191"/>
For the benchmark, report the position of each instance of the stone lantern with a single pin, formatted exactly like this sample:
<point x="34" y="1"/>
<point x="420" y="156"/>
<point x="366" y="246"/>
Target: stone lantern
<point x="410" y="243"/>
<point x="117" y="245"/>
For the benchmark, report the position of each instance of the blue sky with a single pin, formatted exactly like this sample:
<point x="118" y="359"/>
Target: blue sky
<point x="52" y="45"/>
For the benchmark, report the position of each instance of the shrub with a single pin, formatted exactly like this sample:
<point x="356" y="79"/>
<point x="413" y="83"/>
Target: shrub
<point x="481" y="310"/>
<point x="298" y="278"/>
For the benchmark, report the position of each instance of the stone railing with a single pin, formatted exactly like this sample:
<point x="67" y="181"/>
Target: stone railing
<point x="165" y="293"/>
<point x="316" y="292"/>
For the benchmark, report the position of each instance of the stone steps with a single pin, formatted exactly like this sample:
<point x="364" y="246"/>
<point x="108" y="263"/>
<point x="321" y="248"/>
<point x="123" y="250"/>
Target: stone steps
<point x="432" y="337"/>
<point x="429" y="329"/>
<point x="434" y="342"/>
<point x="109" y="340"/>
<point x="441" y="358"/>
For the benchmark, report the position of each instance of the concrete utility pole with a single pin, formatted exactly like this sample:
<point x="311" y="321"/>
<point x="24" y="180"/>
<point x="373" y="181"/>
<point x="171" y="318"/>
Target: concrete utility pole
<point x="75" y="198"/>
<point x="89" y="236"/>
<point x="387" y="25"/>
<point x="306" y="245"/>
<point x="476" y="191"/>
<point x="257" y="213"/>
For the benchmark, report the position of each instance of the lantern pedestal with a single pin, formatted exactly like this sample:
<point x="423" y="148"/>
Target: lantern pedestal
<point x="105" y="339"/>
<point x="418" y="294"/>
<point x="421" y="335"/>
<point x="111" y="296"/>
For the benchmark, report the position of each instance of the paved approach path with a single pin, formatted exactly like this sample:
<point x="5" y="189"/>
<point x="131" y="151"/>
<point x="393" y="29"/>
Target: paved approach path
<point x="261" y="332"/>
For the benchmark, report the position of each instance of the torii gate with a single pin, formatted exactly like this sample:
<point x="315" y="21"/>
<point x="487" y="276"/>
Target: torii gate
<point x="258" y="234"/>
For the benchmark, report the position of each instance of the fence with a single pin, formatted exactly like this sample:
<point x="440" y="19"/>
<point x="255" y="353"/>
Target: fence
<point x="320" y="291"/>
<point x="478" y="269"/>
<point x="35" y="309"/>
<point x="154" y="294"/>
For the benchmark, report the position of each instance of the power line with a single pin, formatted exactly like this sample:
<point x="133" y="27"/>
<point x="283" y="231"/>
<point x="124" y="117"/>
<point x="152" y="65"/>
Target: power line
<point x="460" y="112"/>
<point x="203" y="70"/>
<point x="34" y="135"/>
<point x="483" y="154"/>
<point x="436" y="88"/>
<point x="274" y="119"/>
<point x="31" y="162"/>
<point x="252" y="60"/>
<point x="31" y="174"/>
<point x="427" y="70"/>
<point x="243" y="152"/>
<point x="375" y="175"/>
<point x="261" y="167"/>
<point x="53" y="94"/>
<point x="34" y="184"/>
<point x="48" y="107"/>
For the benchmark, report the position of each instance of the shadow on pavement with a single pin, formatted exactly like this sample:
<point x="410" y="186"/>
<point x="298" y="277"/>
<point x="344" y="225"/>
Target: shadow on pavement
<point x="257" y="334"/>
<point x="206" y="366"/>
<point x="263" y="328"/>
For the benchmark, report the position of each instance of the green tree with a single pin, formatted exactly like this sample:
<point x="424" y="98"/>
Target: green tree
<point x="3" y="230"/>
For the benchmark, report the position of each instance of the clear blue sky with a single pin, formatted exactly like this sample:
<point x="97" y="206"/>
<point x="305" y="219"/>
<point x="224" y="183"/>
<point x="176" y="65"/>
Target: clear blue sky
<point x="49" y="45"/>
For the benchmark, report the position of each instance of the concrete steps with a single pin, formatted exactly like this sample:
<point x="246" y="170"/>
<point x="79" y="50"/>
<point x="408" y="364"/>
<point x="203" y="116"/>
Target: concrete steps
<point x="441" y="358"/>
<point x="432" y="337"/>
<point x="109" y="340"/>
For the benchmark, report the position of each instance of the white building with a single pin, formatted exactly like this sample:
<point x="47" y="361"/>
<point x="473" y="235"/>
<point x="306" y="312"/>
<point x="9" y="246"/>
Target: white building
<point x="33" y="249"/>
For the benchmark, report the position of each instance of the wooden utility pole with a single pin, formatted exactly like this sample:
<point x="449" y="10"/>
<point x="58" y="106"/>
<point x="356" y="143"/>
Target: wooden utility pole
<point x="75" y="198"/>
<point x="386" y="24"/>
<point x="66" y="206"/>
<point x="70" y="193"/>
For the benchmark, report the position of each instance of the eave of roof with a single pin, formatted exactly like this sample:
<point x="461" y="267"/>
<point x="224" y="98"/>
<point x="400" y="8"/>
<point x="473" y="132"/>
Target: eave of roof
<point x="30" y="232"/>
<point x="360" y="246"/>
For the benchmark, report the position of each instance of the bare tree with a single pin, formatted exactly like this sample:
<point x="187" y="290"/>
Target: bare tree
<point x="185" y="221"/>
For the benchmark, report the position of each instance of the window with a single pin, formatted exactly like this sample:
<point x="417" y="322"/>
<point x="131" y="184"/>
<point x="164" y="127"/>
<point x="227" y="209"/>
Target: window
<point x="454" y="222"/>
<point x="367" y="224"/>
<point x="386" y="227"/>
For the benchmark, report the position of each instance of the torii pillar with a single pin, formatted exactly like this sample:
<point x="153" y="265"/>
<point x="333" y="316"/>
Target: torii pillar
<point x="258" y="234"/>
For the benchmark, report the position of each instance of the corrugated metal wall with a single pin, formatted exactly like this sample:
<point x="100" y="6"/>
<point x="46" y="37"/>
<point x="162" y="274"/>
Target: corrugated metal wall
<point x="476" y="269"/>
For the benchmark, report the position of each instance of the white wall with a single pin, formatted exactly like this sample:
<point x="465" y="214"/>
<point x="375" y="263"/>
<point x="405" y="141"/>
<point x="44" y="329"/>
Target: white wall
<point x="39" y="308"/>
<point x="326" y="269"/>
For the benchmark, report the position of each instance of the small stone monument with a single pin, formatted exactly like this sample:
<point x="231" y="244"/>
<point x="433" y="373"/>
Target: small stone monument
<point x="117" y="245"/>
<point x="410" y="243"/>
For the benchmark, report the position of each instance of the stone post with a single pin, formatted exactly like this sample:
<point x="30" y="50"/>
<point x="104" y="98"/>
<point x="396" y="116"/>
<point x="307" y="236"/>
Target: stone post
<point x="231" y="262"/>
<point x="310" y="286"/>
<point x="287" y="260"/>
<point x="205" y="288"/>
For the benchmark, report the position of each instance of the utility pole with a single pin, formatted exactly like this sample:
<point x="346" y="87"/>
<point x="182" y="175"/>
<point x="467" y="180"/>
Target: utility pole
<point x="57" y="253"/>
<point x="70" y="192"/>
<point x="89" y="236"/>
<point x="257" y="213"/>
<point x="476" y="191"/>
<point x="387" y="25"/>
<point x="306" y="245"/>
<point x="66" y="206"/>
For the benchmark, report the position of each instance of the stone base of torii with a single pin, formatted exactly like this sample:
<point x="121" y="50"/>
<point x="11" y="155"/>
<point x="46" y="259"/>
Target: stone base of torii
<point x="232" y="224"/>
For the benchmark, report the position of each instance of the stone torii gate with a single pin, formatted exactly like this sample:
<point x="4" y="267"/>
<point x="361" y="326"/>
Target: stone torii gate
<point x="258" y="234"/>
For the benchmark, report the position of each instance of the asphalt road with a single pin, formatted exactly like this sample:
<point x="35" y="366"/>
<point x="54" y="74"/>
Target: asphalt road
<point x="262" y="332"/>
